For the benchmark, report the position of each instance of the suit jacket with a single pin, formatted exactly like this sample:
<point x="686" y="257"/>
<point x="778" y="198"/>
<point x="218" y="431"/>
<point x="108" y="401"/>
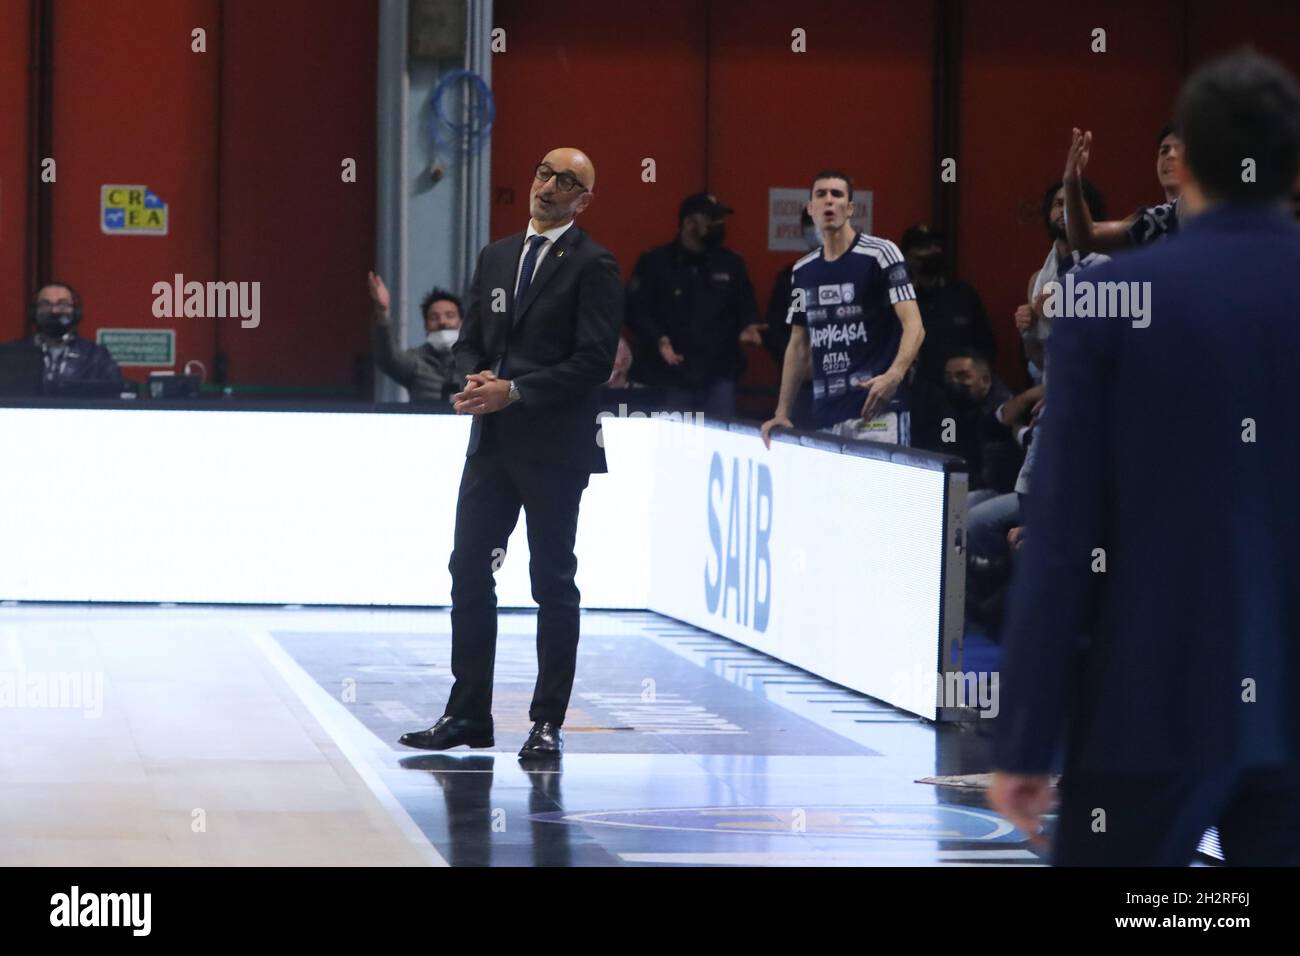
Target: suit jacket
<point x="1180" y="655"/>
<point x="560" y="341"/>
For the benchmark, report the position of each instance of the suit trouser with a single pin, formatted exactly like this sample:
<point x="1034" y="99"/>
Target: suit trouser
<point x="1159" y="820"/>
<point x="492" y="489"/>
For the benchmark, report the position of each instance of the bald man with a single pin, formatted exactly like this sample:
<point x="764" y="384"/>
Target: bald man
<point x="542" y="321"/>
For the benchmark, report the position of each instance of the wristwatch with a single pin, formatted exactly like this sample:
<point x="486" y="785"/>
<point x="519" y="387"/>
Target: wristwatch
<point x="514" y="395"/>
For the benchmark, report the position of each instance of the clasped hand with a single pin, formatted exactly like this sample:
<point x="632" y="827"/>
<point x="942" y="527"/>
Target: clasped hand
<point x="483" y="394"/>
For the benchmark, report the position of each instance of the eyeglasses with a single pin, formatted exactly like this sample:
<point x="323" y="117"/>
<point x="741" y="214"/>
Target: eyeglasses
<point x="61" y="308"/>
<point x="567" y="181"/>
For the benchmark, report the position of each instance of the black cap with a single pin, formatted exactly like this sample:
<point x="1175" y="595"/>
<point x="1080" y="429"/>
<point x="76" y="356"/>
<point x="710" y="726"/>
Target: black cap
<point x="702" y="202"/>
<point x="921" y="235"/>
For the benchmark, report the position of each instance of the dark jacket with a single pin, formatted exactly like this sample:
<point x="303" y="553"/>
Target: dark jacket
<point x="80" y="361"/>
<point x="1178" y="656"/>
<point x="561" y="340"/>
<point x="989" y="447"/>
<point x="701" y="302"/>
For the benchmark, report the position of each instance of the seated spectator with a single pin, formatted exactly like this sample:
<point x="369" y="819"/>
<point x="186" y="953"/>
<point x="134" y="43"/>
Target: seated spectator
<point x="993" y="532"/>
<point x="428" y="372"/>
<point x="69" y="360"/>
<point x="976" y="417"/>
<point x="951" y="310"/>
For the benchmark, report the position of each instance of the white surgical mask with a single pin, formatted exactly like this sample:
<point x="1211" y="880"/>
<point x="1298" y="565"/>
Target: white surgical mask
<point x="443" y="339"/>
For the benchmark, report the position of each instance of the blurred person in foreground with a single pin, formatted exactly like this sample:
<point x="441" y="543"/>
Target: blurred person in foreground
<point x="1154" y="622"/>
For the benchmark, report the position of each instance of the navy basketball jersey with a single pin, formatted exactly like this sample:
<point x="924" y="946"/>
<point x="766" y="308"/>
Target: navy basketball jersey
<point x="848" y="309"/>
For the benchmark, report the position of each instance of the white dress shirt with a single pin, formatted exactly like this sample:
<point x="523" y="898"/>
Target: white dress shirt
<point x="552" y="235"/>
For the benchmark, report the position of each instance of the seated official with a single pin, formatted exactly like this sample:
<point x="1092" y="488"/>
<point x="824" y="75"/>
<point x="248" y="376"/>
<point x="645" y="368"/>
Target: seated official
<point x="56" y="311"/>
<point x="428" y="371"/>
<point x="975" y="417"/>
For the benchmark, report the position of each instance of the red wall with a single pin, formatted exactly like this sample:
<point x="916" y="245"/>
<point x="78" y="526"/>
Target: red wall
<point x="13" y="165"/>
<point x="243" y="142"/>
<point x="622" y="83"/>
<point x="149" y="123"/>
<point x="298" y="97"/>
<point x="858" y="100"/>
<point x="1272" y="28"/>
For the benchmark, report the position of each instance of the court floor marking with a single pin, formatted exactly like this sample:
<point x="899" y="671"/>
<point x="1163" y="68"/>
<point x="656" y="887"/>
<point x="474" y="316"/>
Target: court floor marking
<point x="975" y="857"/>
<point x="771" y="687"/>
<point x="363" y="749"/>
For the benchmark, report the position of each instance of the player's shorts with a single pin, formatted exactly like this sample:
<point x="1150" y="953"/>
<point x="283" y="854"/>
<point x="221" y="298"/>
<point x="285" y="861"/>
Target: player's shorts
<point x="894" y="428"/>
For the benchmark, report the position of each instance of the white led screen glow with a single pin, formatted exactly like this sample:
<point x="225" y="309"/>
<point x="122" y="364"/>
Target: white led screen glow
<point x="831" y="562"/>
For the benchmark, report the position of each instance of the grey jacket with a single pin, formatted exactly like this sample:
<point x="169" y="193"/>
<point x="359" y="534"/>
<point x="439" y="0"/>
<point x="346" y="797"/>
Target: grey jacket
<point x="429" y="375"/>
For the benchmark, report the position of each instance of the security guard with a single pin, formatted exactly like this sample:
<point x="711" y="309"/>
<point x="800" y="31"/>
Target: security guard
<point x="690" y="307"/>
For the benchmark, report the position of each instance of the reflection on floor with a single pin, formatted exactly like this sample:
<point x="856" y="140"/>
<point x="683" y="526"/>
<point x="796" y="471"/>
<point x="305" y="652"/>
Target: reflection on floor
<point x="255" y="736"/>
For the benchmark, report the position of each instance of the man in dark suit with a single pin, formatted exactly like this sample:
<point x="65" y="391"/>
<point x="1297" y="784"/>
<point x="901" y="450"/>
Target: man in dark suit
<point x="1154" y="629"/>
<point x="543" y="314"/>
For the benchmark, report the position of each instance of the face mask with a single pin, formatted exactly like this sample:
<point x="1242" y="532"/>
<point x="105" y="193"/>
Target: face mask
<point x="443" y="339"/>
<point x="55" y="324"/>
<point x="715" y="236"/>
<point x="960" y="394"/>
<point x="931" y="266"/>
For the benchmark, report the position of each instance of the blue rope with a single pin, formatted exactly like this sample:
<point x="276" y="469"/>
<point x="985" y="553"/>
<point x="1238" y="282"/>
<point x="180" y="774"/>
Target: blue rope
<point x="473" y="134"/>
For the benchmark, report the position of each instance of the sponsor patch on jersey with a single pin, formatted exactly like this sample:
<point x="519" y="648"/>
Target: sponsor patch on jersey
<point x="829" y="295"/>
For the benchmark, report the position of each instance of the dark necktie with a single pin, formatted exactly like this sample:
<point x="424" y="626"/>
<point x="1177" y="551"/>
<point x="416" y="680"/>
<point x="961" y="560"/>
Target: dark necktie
<point x="530" y="263"/>
<point x="525" y="280"/>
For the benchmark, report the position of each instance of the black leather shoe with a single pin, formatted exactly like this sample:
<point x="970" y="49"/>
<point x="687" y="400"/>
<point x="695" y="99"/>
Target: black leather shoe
<point x="451" y="732"/>
<point x="544" y="740"/>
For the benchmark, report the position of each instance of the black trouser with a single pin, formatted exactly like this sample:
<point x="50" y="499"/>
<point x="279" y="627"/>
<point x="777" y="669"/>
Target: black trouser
<point x="1159" y="820"/>
<point x="492" y="488"/>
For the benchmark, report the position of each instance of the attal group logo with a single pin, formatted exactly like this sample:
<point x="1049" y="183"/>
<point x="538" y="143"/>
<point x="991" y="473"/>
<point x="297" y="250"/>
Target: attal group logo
<point x="738" y="568"/>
